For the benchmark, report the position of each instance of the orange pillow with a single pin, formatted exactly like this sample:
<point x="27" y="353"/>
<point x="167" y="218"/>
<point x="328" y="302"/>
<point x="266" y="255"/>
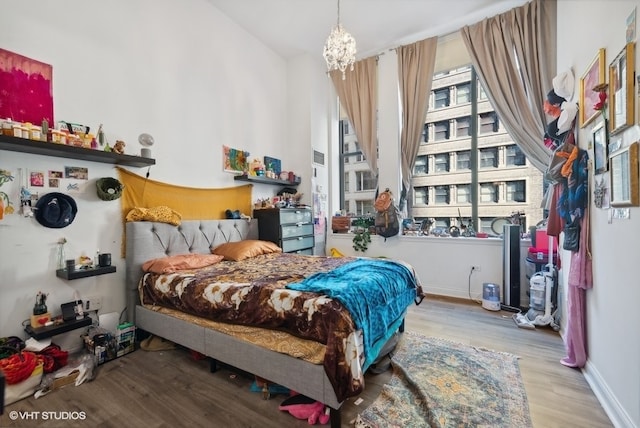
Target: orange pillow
<point x="241" y="250"/>
<point x="180" y="262"/>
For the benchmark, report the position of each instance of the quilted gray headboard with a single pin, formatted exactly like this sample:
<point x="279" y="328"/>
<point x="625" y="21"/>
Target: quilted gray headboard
<point x="146" y="240"/>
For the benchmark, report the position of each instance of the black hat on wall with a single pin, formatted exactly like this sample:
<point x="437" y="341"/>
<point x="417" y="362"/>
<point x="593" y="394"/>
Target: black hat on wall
<point x="55" y="210"/>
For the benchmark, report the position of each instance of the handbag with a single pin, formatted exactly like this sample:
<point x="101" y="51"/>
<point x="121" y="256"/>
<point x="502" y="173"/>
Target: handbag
<point x="558" y="159"/>
<point x="572" y="235"/>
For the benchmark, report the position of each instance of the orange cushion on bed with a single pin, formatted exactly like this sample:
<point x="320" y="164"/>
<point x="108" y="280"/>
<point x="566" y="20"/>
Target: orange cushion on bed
<point x="180" y="262"/>
<point x="241" y="250"/>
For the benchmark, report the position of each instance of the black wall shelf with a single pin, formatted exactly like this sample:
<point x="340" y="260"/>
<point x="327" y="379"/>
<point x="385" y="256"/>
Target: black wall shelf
<point x="52" y="330"/>
<point x="23" y="145"/>
<point x="264" y="180"/>
<point x="83" y="273"/>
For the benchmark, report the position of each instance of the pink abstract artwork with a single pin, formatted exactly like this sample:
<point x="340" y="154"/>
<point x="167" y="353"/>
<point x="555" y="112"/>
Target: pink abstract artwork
<point x="26" y="93"/>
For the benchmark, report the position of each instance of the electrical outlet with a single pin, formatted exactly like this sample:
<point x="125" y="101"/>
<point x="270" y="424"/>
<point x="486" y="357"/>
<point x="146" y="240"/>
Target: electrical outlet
<point x="475" y="268"/>
<point x="93" y="303"/>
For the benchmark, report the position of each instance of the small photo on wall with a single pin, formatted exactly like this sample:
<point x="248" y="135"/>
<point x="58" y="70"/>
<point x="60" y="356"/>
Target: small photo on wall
<point x="54" y="183"/>
<point x="76" y="172"/>
<point x="73" y="187"/>
<point x="36" y="178"/>
<point x="56" y="174"/>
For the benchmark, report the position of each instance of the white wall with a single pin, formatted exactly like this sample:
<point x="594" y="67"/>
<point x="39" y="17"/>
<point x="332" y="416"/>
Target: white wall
<point x="612" y="333"/>
<point x="181" y="71"/>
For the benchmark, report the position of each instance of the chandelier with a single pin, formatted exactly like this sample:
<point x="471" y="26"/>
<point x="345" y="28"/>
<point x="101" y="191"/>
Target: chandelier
<point x="340" y="48"/>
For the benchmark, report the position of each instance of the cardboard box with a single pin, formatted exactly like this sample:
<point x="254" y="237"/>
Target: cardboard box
<point x="126" y="339"/>
<point x="65" y="380"/>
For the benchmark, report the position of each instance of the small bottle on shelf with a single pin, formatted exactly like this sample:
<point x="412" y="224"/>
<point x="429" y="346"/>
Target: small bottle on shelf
<point x="45" y="130"/>
<point x="96" y="259"/>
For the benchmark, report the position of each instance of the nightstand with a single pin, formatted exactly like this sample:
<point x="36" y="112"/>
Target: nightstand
<point x="290" y="228"/>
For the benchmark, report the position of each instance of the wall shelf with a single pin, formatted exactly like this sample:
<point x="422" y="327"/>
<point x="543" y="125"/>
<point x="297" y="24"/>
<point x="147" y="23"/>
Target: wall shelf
<point x="23" y="145"/>
<point x="264" y="180"/>
<point x="83" y="273"/>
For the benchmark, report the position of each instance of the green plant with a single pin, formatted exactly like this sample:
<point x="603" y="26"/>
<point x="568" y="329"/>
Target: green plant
<point x="361" y="235"/>
<point x="5" y="176"/>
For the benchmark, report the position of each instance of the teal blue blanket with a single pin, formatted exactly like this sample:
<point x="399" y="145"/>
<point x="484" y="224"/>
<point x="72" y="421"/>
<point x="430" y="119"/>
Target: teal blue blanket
<point x="376" y="292"/>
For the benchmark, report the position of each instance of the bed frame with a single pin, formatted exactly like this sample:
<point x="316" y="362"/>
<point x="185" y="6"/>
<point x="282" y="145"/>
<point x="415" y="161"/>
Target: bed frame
<point x="148" y="240"/>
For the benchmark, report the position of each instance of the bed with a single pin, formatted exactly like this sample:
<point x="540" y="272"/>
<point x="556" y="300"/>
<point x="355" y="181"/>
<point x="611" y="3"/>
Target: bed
<point x="290" y="350"/>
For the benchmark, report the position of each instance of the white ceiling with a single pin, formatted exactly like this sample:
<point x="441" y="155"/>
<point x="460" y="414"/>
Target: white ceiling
<point x="294" y="27"/>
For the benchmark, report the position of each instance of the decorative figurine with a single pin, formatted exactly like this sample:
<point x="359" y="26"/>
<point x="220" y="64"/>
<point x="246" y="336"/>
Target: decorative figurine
<point x="41" y="304"/>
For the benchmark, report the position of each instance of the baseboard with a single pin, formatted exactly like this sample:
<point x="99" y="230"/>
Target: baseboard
<point x="453" y="295"/>
<point x="448" y="298"/>
<point x="613" y="409"/>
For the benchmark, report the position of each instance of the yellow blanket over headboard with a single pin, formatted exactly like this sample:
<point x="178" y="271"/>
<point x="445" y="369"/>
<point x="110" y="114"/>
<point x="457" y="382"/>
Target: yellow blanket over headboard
<point x="192" y="203"/>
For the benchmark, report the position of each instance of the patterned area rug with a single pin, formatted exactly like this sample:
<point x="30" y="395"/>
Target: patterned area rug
<point x="445" y="384"/>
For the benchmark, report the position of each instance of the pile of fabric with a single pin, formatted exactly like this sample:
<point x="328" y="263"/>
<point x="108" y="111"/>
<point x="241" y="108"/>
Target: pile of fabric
<point x="567" y="202"/>
<point x="23" y="368"/>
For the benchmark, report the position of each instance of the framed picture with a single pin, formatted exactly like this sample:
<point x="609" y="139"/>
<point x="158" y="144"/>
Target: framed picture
<point x="27" y="94"/>
<point x="594" y="76"/>
<point x="234" y="160"/>
<point x="36" y="178"/>
<point x="621" y="89"/>
<point x="623" y="167"/>
<point x="615" y="144"/>
<point x="599" y="134"/>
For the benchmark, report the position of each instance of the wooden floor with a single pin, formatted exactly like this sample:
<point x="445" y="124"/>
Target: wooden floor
<point x="171" y="389"/>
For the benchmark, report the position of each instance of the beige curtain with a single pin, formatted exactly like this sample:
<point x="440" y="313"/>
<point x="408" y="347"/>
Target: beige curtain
<point x="514" y="54"/>
<point x="359" y="96"/>
<point x="415" y="70"/>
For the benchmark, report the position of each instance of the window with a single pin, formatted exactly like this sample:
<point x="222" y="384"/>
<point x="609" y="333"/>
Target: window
<point x="489" y="158"/>
<point x="364" y="207"/>
<point x="441" y="98"/>
<point x="442" y="195"/>
<point x="425" y="133"/>
<point x="488" y="193"/>
<point x="358" y="183"/>
<point x="485" y="225"/>
<point x="516" y="191"/>
<point x="442" y="162"/>
<point x="488" y="123"/>
<point x="515" y="157"/>
<point x="463" y="93"/>
<point x="482" y="95"/>
<point x="421" y="167"/>
<point x="463" y="160"/>
<point x="462" y="127"/>
<point x="442" y="222"/>
<point x="441" y="130"/>
<point x="448" y="175"/>
<point x="421" y="196"/>
<point x="365" y="181"/>
<point x="464" y="194"/>
<point x="354" y="158"/>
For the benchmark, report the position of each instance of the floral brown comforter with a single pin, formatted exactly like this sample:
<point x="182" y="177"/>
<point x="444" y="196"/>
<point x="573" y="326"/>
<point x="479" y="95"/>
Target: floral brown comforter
<point x="252" y="292"/>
